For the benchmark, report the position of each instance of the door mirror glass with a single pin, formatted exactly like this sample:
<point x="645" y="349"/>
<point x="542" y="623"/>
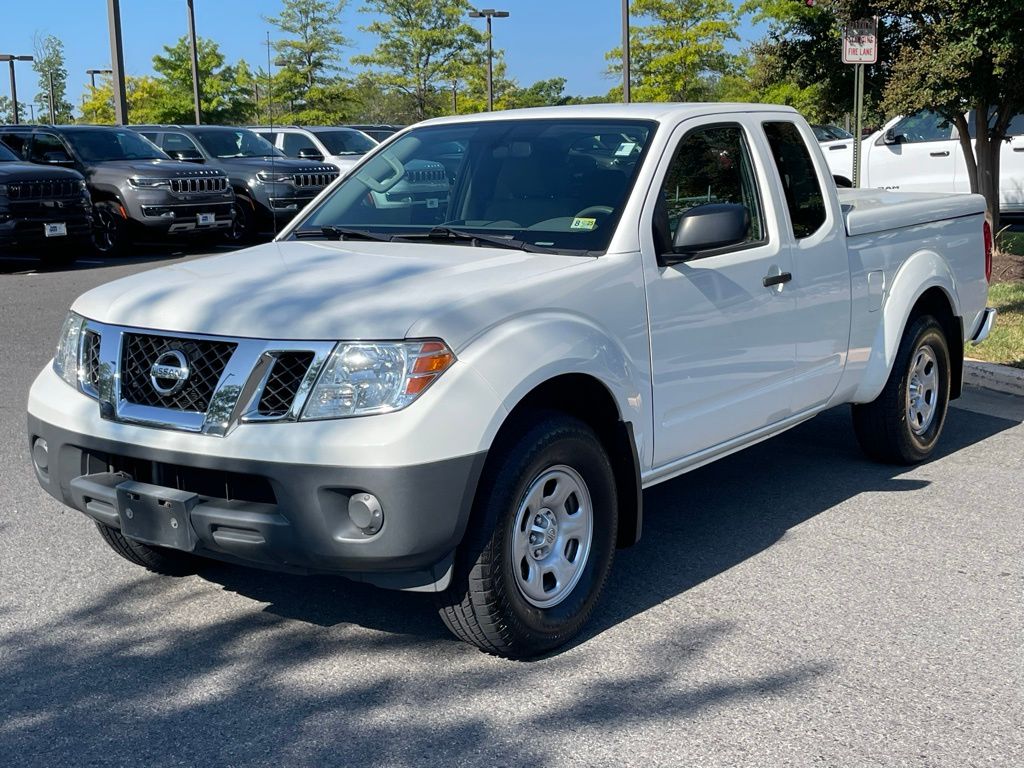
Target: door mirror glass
<point x="308" y="153"/>
<point x="186" y="155"/>
<point x="715" y="225"/>
<point x="57" y="157"/>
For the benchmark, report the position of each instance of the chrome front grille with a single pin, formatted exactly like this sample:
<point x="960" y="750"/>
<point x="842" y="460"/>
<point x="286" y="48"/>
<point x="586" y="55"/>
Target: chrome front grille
<point x="138" y="376"/>
<point x="53" y="189"/>
<point x="198" y="184"/>
<point x="206" y="362"/>
<point x="320" y="179"/>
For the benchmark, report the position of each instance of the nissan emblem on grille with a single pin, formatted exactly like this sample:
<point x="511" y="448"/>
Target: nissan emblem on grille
<point x="170" y="372"/>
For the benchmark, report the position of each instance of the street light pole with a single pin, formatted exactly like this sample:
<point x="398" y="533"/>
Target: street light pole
<point x="53" y="102"/>
<point x="93" y="72"/>
<point x="626" y="96"/>
<point x="10" y="59"/>
<point x="195" y="59"/>
<point x="117" y="61"/>
<point x="489" y="13"/>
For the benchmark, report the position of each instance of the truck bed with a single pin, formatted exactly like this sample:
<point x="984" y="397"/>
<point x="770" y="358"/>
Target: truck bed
<point x="877" y="210"/>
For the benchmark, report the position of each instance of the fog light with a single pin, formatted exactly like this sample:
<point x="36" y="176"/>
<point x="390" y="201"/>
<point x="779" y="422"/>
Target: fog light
<point x="41" y="455"/>
<point x="365" y="512"/>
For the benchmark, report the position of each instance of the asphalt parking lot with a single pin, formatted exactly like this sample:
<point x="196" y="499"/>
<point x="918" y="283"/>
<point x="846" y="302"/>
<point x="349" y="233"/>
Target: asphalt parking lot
<point x="793" y="604"/>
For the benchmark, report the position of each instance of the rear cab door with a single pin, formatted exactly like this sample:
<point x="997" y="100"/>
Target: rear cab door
<point x="1011" y="166"/>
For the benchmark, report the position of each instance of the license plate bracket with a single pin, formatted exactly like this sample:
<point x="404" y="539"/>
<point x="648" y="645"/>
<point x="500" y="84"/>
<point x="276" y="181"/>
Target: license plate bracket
<point x="155" y="515"/>
<point x="206" y="219"/>
<point x="55" y="229"/>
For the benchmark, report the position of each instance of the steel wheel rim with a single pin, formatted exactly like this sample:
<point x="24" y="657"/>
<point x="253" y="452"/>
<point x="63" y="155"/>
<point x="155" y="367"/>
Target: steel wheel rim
<point x="922" y="389"/>
<point x="105" y="231"/>
<point x="554" y="528"/>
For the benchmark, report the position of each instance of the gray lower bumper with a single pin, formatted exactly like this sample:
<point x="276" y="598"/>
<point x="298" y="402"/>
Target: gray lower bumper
<point x="988" y="319"/>
<point x="274" y="515"/>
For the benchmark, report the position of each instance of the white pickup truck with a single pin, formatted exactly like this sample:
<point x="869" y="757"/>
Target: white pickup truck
<point x="467" y="394"/>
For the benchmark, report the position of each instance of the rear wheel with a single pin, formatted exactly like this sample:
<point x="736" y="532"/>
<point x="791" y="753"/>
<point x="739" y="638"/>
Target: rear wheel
<point x="168" y="562"/>
<point x="540" y="544"/>
<point x="902" y="425"/>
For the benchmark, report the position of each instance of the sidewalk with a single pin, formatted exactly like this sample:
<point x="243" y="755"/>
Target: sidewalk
<point x="1001" y="378"/>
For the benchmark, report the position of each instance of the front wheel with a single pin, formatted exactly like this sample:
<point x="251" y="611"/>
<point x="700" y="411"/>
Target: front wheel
<point x="167" y="562"/>
<point x="902" y="425"/>
<point x="540" y="544"/>
<point x="109" y="231"/>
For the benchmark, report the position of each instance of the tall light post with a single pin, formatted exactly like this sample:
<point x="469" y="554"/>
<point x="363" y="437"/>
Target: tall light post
<point x="92" y="79"/>
<point x="489" y="13"/>
<point x="193" y="44"/>
<point x="10" y="59"/>
<point x="626" y="96"/>
<point x="117" y="62"/>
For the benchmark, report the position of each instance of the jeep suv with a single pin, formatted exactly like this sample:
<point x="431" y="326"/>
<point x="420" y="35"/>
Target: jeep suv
<point x="342" y="147"/>
<point x="269" y="187"/>
<point x="136" y="189"/>
<point x="43" y="210"/>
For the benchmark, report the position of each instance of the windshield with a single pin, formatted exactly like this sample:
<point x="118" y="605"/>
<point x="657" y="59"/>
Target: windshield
<point x="236" y="143"/>
<point x="99" y="145"/>
<point x="6" y="156"/>
<point x="346" y="142"/>
<point x="545" y="183"/>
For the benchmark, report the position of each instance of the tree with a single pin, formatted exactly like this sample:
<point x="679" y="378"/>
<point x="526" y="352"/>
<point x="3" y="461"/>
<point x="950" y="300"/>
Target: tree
<point x="222" y="98"/>
<point x="314" y="39"/>
<point x="677" y="54"/>
<point x="49" y="60"/>
<point x="957" y="57"/>
<point x="423" y="45"/>
<point x="6" y="111"/>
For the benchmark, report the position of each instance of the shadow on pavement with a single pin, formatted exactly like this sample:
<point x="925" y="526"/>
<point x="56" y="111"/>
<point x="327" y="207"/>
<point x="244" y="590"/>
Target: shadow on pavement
<point x="13" y="263"/>
<point x="294" y="681"/>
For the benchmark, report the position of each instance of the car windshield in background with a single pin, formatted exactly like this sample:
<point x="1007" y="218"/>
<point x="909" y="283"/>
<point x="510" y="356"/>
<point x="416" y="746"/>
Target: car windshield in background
<point x="6" y="156"/>
<point x="238" y="143"/>
<point x="99" y="145"/>
<point x="346" y="142"/>
<point x="540" y="184"/>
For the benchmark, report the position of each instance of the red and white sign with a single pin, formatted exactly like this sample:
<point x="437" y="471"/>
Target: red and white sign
<point x="860" y="42"/>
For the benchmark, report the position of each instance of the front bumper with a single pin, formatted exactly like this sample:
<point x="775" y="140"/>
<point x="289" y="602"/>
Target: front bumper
<point x="274" y="514"/>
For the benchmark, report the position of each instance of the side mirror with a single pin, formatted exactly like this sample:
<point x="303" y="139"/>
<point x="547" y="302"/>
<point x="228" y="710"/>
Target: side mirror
<point x="57" y="158"/>
<point x="706" y="227"/>
<point x="308" y="153"/>
<point x="187" y="155"/>
<point x="890" y="137"/>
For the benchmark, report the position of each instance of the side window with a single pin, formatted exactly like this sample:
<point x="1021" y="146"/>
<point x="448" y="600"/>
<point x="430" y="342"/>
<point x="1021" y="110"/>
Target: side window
<point x="271" y="137"/>
<point x="804" y="197"/>
<point x="43" y="144"/>
<point x="1014" y="128"/>
<point x="710" y="165"/>
<point x="174" y="141"/>
<point x="16" y="142"/>
<point x="293" y="142"/>
<point x="924" y="126"/>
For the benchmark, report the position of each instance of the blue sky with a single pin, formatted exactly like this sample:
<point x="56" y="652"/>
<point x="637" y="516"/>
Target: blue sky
<point x="541" y="39"/>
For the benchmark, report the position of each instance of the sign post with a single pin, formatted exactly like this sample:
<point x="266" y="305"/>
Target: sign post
<point x="860" y="47"/>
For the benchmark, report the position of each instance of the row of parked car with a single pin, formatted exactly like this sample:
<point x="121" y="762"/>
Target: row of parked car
<point x="69" y="190"/>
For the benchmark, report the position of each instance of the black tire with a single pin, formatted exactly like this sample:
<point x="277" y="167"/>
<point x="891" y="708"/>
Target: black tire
<point x="243" y="228"/>
<point x="110" y="236"/>
<point x="884" y="427"/>
<point x="168" y="562"/>
<point x="485" y="605"/>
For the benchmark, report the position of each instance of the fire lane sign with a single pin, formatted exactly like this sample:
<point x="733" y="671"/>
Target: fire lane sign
<point x="860" y="42"/>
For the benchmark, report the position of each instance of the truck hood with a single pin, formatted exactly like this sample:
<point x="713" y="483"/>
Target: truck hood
<point x="318" y="290"/>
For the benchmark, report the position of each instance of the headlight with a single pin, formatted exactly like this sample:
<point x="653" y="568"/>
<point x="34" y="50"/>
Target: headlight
<point x="3" y="190"/>
<point x="65" y="360"/>
<point x="82" y="186"/>
<point x="362" y="378"/>
<point x="267" y="176"/>
<point x="142" y="183"/>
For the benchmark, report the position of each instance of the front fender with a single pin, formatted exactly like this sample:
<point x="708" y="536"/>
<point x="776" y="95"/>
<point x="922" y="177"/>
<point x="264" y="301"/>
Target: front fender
<point x="919" y="273"/>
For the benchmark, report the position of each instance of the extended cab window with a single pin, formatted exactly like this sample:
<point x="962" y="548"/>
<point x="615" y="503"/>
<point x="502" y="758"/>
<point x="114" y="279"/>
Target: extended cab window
<point x="924" y="126"/>
<point x="710" y="165"/>
<point x="804" y="198"/>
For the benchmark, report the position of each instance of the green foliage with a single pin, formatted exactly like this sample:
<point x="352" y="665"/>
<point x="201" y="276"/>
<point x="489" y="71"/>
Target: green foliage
<point x="222" y="98"/>
<point x="423" y="46"/>
<point x="7" y="112"/>
<point x="680" y="52"/>
<point x="49" y="60"/>
<point x="313" y="39"/>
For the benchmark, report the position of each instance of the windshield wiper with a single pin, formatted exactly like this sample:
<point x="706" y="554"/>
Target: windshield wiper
<point x="341" y="233"/>
<point x="448" y="233"/>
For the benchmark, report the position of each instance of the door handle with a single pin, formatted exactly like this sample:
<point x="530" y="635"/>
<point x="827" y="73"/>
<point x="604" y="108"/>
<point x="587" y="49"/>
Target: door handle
<point x="1018" y="149"/>
<point x="943" y="153"/>
<point x="779" y="279"/>
<point x="838" y="146"/>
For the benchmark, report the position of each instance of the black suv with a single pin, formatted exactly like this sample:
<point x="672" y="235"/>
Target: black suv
<point x="136" y="189"/>
<point x="269" y="187"/>
<point x="43" y="211"/>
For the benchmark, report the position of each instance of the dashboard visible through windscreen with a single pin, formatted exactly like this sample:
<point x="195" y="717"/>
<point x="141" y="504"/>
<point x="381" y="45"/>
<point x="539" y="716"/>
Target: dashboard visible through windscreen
<point x="551" y="184"/>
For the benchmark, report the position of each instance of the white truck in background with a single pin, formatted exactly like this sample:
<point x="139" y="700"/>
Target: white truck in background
<point x="466" y="394"/>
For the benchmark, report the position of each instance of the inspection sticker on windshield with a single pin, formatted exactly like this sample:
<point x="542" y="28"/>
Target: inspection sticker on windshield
<point x="580" y="223"/>
<point x="625" y="149"/>
<point x="432" y="202"/>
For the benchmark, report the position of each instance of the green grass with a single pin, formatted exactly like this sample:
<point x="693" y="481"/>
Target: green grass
<point x="1012" y="242"/>
<point x="1006" y="342"/>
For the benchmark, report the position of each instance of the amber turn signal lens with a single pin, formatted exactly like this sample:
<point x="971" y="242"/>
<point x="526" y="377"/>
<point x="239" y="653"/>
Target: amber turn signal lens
<point x="433" y="359"/>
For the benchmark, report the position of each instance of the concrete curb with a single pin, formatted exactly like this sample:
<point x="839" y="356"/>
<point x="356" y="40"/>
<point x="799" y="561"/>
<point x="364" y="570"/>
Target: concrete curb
<point x="1001" y="378"/>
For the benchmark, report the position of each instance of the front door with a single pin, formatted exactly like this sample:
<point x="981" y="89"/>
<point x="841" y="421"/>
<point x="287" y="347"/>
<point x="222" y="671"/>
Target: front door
<point x="722" y="343"/>
<point x="922" y="160"/>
